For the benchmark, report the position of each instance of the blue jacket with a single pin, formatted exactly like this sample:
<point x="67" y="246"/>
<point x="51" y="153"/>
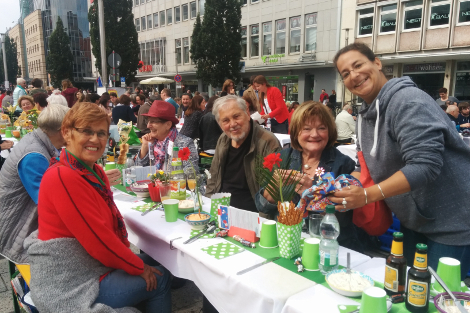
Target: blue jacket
<point x="332" y="160"/>
<point x="404" y="129"/>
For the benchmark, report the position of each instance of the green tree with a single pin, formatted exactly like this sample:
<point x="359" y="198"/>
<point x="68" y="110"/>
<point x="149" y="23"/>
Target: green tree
<point x="196" y="47"/>
<point x="12" y="61"/>
<point x="217" y="44"/>
<point x="59" y="58"/>
<point x="121" y="36"/>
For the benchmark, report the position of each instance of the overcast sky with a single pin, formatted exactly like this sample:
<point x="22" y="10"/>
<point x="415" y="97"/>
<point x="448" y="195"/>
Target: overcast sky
<point x="9" y="13"/>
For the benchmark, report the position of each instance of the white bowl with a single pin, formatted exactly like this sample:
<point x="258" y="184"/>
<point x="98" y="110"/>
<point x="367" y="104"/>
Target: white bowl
<point x="188" y="206"/>
<point x="346" y="292"/>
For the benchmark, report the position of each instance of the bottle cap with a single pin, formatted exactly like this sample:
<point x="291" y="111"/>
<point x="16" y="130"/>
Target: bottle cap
<point x="330" y="209"/>
<point x="422" y="246"/>
<point x="397" y="235"/>
<point x="129" y="155"/>
<point x="176" y="149"/>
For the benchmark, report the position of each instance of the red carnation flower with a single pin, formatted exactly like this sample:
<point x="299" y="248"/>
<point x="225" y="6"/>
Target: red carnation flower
<point x="271" y="160"/>
<point x="184" y="154"/>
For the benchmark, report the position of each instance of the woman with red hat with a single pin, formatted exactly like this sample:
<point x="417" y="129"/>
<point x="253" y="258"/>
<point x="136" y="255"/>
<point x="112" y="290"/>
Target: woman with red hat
<point x="161" y="123"/>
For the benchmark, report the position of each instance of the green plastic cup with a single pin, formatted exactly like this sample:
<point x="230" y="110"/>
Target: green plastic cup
<point x="373" y="301"/>
<point x="449" y="271"/>
<point x="8" y="133"/>
<point x="311" y="254"/>
<point x="171" y="210"/>
<point x="110" y="166"/>
<point x="268" y="235"/>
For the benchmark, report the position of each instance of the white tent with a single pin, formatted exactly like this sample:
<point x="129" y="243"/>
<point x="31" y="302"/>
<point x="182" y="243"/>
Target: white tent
<point x="157" y="80"/>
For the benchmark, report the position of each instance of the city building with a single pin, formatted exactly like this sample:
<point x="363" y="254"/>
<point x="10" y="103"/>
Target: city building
<point x="426" y="40"/>
<point x="35" y="26"/>
<point x="291" y="43"/>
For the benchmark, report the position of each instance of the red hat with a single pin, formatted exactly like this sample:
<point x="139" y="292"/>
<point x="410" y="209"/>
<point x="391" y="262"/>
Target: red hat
<point x="163" y="110"/>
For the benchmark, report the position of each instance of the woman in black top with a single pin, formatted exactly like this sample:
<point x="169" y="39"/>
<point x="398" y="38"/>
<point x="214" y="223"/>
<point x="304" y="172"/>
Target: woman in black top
<point x="209" y="129"/>
<point x="123" y="111"/>
<point x="192" y="117"/>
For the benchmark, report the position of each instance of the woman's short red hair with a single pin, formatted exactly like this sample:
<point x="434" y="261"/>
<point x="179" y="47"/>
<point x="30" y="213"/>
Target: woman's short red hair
<point x="83" y="114"/>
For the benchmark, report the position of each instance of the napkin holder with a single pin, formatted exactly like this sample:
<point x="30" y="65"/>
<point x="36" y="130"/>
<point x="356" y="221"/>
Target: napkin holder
<point x="240" y="222"/>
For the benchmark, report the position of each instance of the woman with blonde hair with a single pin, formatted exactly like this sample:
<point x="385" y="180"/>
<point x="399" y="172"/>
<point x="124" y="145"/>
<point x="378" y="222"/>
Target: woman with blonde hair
<point x="69" y="91"/>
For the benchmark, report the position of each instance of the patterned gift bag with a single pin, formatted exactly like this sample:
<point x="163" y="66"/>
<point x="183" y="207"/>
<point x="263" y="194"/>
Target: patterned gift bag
<point x="289" y="240"/>
<point x="222" y="198"/>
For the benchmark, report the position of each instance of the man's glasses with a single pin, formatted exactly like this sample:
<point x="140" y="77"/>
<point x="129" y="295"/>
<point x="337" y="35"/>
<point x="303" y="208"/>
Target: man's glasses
<point x="102" y="135"/>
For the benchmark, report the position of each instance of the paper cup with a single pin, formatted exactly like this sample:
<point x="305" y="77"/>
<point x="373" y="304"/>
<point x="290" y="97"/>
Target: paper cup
<point x="373" y="301"/>
<point x="171" y="210"/>
<point x="110" y="166"/>
<point x="311" y="254"/>
<point x="8" y="133"/>
<point x="222" y="198"/>
<point x="289" y="240"/>
<point x="449" y="271"/>
<point x="268" y="237"/>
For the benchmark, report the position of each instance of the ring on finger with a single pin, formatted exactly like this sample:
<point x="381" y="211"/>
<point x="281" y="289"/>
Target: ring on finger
<point x="344" y="202"/>
<point x="349" y="187"/>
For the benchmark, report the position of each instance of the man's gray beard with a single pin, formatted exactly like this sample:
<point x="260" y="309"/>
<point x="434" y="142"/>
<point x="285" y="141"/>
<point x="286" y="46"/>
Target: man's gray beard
<point x="238" y="138"/>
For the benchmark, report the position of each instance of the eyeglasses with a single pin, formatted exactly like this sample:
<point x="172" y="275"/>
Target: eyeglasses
<point x="346" y="75"/>
<point x="102" y="135"/>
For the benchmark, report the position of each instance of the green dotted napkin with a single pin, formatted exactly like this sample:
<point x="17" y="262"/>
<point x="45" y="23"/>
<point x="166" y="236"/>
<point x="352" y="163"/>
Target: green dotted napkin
<point x="144" y="207"/>
<point x="194" y="232"/>
<point x="222" y="250"/>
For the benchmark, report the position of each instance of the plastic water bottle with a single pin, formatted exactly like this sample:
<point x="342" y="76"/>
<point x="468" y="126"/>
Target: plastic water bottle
<point x="268" y="124"/>
<point x="177" y="177"/>
<point x="130" y="176"/>
<point x="329" y="229"/>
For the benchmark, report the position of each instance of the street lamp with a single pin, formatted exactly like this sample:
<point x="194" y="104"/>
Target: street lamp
<point x="5" y="69"/>
<point x="104" y="78"/>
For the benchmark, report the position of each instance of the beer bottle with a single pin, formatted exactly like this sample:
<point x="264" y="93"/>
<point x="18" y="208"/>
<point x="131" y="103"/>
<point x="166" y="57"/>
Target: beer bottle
<point x="419" y="280"/>
<point x="395" y="268"/>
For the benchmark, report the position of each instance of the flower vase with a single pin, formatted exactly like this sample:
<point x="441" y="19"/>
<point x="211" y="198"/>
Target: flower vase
<point x="154" y="190"/>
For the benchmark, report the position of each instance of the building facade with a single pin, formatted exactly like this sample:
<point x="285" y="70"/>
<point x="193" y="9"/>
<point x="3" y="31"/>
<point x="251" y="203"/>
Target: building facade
<point x="16" y="33"/>
<point x="427" y="40"/>
<point x="35" y="51"/>
<point x="291" y="43"/>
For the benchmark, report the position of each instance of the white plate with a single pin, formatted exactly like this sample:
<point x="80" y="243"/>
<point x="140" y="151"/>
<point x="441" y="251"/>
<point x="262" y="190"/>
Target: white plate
<point x="344" y="292"/>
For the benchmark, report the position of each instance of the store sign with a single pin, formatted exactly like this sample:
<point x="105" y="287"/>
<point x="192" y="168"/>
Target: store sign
<point x="387" y="70"/>
<point x="274" y="58"/>
<point x="388" y="23"/>
<point x="427" y="67"/>
<point x="284" y="91"/>
<point x="437" y="16"/>
<point x="146" y="68"/>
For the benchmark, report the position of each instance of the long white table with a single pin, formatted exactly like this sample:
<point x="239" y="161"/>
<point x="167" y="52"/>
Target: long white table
<point x="265" y="289"/>
<point x="349" y="150"/>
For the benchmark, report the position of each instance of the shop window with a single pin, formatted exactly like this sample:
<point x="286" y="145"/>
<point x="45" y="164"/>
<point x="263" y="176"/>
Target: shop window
<point x="155" y="20"/>
<point x="178" y="50"/>
<point x="440" y="13"/>
<point x="177" y="14"/>
<point x="295" y="24"/>
<point x="142" y="23"/>
<point x="149" y="21"/>
<point x="464" y="12"/>
<point x="192" y="7"/>
<point x="162" y="18"/>
<point x="186" y="50"/>
<point x="185" y="12"/>
<point x="462" y="81"/>
<point x="388" y="18"/>
<point x="281" y="36"/>
<point x="169" y="16"/>
<point x="267" y="38"/>
<point x="244" y="2"/>
<point x="365" y="22"/>
<point x="254" y="41"/>
<point x="244" y="42"/>
<point x="311" y="32"/>
<point x="202" y="4"/>
<point x="413" y="12"/>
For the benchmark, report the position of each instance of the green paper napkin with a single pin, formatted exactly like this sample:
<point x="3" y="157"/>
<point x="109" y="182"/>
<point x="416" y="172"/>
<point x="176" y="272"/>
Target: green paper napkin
<point x="194" y="232"/>
<point x="222" y="250"/>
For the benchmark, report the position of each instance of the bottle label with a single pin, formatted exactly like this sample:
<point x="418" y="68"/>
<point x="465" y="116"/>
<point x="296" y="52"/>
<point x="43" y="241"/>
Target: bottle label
<point x="421" y="261"/>
<point x="176" y="162"/>
<point x="328" y="258"/>
<point x="397" y="248"/>
<point x="391" y="278"/>
<point x="417" y="293"/>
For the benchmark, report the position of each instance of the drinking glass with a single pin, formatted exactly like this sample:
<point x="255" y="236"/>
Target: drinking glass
<point x="314" y="221"/>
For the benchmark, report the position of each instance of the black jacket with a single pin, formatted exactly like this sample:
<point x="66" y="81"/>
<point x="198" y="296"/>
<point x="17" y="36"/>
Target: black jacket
<point x="209" y="131"/>
<point x="124" y="112"/>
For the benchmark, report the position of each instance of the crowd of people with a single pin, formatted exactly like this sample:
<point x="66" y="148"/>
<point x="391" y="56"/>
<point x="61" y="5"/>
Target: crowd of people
<point x="75" y="238"/>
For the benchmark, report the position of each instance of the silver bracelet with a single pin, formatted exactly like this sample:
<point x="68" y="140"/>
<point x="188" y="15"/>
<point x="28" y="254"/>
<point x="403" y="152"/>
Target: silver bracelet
<point x="365" y="192"/>
<point x="381" y="191"/>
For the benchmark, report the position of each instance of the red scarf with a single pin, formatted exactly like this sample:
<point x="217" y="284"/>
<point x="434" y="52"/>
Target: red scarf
<point x="68" y="160"/>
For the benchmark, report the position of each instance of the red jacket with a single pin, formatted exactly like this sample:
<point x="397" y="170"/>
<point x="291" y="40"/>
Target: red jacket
<point x="69" y="95"/>
<point x="69" y="207"/>
<point x="324" y="96"/>
<point x="276" y="103"/>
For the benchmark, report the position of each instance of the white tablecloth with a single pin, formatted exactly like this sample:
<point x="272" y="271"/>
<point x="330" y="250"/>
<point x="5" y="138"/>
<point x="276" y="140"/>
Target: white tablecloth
<point x="5" y="153"/>
<point x="349" y="150"/>
<point x="284" y="139"/>
<point x="265" y="289"/>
